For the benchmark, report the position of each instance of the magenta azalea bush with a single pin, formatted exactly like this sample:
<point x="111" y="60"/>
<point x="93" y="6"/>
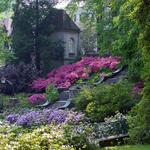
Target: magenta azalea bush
<point x="66" y="75"/>
<point x="37" y="99"/>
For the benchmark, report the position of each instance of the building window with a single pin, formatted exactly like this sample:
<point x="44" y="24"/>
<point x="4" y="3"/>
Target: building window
<point x="71" y="46"/>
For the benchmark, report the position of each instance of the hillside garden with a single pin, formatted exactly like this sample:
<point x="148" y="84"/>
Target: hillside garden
<point x="97" y="102"/>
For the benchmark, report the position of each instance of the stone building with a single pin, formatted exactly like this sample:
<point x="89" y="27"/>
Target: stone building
<point x="68" y="32"/>
<point x="65" y="30"/>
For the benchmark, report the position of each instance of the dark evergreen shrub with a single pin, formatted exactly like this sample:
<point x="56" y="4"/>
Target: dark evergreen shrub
<point x="18" y="78"/>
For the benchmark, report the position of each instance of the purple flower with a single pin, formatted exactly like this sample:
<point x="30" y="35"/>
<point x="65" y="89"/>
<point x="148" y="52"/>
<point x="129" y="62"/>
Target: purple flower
<point x="138" y="87"/>
<point x="29" y="119"/>
<point x="74" y="117"/>
<point x="58" y="116"/>
<point x="12" y="118"/>
<point x="45" y="116"/>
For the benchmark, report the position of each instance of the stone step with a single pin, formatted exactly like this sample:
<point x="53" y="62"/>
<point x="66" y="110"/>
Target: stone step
<point x="68" y="94"/>
<point x="116" y="78"/>
<point x="61" y="104"/>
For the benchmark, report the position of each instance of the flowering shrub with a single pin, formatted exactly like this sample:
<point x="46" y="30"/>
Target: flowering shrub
<point x="45" y="116"/>
<point x="66" y="75"/>
<point x="46" y="137"/>
<point x="37" y="98"/>
<point x="93" y="132"/>
<point x="12" y="118"/>
<point x="138" y="87"/>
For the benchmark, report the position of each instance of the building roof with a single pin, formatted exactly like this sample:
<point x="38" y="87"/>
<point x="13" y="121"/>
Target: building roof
<point x="60" y="20"/>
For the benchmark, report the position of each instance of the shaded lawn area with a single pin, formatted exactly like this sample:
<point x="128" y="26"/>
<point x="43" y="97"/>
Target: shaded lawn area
<point x="129" y="147"/>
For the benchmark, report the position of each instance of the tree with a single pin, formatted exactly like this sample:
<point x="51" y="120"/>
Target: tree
<point x="140" y="123"/>
<point x="88" y="34"/>
<point x="117" y="32"/>
<point x="5" y="4"/>
<point x="29" y="31"/>
<point x="5" y="53"/>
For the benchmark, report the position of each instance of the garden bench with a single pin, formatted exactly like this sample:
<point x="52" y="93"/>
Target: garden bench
<point x="111" y="140"/>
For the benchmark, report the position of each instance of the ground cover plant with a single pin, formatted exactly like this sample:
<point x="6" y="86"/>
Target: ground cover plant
<point x="7" y="102"/>
<point x="75" y="133"/>
<point x="30" y="118"/>
<point x="44" y="137"/>
<point x="67" y="75"/>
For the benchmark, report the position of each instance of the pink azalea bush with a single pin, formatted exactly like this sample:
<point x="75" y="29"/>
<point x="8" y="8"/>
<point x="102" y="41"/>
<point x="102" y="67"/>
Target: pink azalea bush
<point x="37" y="98"/>
<point x="137" y="88"/>
<point x="66" y="75"/>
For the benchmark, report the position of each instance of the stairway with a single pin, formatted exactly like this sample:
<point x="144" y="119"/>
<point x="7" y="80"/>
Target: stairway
<point x="65" y="99"/>
<point x="67" y="96"/>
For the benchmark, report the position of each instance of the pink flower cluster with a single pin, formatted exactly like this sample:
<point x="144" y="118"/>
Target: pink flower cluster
<point x="37" y="98"/>
<point x="66" y="75"/>
<point x="138" y="87"/>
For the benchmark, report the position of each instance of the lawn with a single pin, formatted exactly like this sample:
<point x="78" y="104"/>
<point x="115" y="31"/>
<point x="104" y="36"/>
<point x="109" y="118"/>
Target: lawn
<point x="128" y="147"/>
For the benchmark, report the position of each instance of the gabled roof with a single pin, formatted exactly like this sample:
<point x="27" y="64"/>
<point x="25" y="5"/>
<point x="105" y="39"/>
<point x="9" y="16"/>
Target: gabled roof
<point x="60" y="20"/>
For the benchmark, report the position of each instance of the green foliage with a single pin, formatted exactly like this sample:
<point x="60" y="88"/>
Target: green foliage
<point x="52" y="94"/>
<point x="117" y="32"/>
<point x="78" y="137"/>
<point x="93" y="79"/>
<point x="124" y="34"/>
<point x="22" y="102"/>
<point x="137" y="133"/>
<point x="140" y="120"/>
<point x="5" y="5"/>
<point x="83" y="99"/>
<point x="45" y="137"/>
<point x="87" y="23"/>
<point x="61" y="137"/>
<point x="5" y="53"/>
<point x="31" y="41"/>
<point x="105" y="100"/>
